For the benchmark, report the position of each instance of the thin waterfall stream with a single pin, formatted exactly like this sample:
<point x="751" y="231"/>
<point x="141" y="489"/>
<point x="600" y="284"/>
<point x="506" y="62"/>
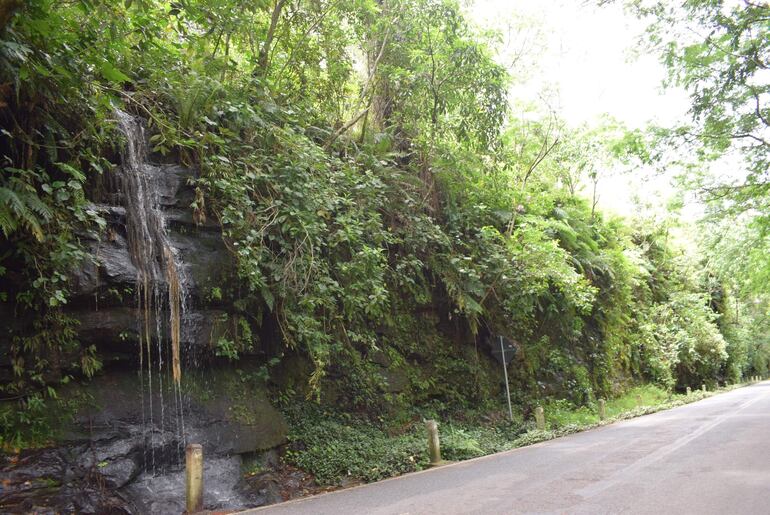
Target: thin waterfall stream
<point x="172" y="415"/>
<point x="161" y="290"/>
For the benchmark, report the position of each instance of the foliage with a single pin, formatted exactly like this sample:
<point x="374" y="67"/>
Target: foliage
<point x="334" y="450"/>
<point x="376" y="194"/>
<point x="340" y="449"/>
<point x="718" y="52"/>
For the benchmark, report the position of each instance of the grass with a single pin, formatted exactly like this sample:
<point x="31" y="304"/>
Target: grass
<point x="342" y="449"/>
<point x="561" y="413"/>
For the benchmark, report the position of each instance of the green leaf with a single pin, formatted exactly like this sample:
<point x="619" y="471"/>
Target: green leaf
<point x="112" y="74"/>
<point x="267" y="295"/>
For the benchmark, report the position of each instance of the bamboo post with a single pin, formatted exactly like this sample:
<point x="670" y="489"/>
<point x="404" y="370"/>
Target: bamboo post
<point x="434" y="449"/>
<point x="602" y="409"/>
<point x="194" y="477"/>
<point x="540" y="418"/>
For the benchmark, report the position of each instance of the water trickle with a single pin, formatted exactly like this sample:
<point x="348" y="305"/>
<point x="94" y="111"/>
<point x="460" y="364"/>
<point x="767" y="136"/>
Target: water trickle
<point x="161" y="288"/>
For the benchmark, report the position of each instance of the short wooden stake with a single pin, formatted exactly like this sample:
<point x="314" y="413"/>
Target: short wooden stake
<point x="689" y="391"/>
<point x="434" y="449"/>
<point x="540" y="418"/>
<point x="639" y="401"/>
<point x="194" y="477"/>
<point x="703" y="387"/>
<point x="602" y="409"/>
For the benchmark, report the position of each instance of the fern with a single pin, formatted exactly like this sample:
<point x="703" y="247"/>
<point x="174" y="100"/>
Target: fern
<point x="20" y="208"/>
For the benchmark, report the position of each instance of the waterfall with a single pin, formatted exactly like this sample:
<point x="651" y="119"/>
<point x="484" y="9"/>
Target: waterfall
<point x="160" y="286"/>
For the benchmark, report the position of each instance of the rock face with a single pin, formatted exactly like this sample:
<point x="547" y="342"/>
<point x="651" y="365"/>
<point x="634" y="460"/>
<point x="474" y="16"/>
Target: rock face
<point x="124" y="450"/>
<point x="104" y="288"/>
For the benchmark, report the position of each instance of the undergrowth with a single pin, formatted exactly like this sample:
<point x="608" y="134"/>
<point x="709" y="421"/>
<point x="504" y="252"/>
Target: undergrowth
<point x="340" y="449"/>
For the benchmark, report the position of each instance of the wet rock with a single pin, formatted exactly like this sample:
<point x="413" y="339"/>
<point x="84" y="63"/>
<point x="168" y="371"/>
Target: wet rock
<point x="262" y="490"/>
<point x="116" y="329"/>
<point x="109" y="266"/>
<point x="47" y="482"/>
<point x="205" y="260"/>
<point x="172" y="185"/>
<point x="165" y="493"/>
<point x="114" y="461"/>
<point x="218" y="408"/>
<point x="32" y="465"/>
<point x="118" y="472"/>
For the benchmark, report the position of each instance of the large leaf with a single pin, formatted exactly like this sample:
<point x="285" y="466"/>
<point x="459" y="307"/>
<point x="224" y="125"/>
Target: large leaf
<point x="112" y="74"/>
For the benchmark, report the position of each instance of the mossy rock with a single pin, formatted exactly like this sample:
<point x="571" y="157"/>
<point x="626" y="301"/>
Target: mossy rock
<point x="226" y="410"/>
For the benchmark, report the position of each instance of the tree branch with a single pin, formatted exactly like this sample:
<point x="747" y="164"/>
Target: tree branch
<point x="264" y="53"/>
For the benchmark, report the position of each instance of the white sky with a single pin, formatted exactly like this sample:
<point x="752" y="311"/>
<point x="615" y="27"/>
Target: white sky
<point x="586" y="61"/>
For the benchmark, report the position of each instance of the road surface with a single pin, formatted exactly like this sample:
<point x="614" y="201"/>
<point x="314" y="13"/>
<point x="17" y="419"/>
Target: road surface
<point x="711" y="456"/>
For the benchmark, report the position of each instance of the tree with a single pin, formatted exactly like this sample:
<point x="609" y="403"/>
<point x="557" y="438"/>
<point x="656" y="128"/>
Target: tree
<point x="719" y="52"/>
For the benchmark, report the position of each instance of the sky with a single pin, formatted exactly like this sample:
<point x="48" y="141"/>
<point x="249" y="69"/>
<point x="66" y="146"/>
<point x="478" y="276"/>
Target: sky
<point x="586" y="61"/>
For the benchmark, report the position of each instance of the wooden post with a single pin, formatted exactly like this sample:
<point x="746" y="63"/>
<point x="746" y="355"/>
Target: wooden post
<point x="540" y="418"/>
<point x="194" y="477"/>
<point x="638" y="401"/>
<point x="434" y="449"/>
<point x="689" y="391"/>
<point x="703" y="387"/>
<point x="602" y="409"/>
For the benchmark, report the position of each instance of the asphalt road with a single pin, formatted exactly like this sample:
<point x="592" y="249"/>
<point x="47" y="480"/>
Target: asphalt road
<point x="712" y="456"/>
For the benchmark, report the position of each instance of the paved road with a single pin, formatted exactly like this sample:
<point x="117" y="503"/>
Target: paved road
<point x="711" y="456"/>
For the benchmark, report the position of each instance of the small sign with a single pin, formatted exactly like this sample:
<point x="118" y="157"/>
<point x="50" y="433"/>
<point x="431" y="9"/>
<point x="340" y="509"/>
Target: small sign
<point x="503" y="349"/>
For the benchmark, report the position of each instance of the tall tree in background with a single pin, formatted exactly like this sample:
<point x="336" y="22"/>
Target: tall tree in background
<point x="719" y="52"/>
